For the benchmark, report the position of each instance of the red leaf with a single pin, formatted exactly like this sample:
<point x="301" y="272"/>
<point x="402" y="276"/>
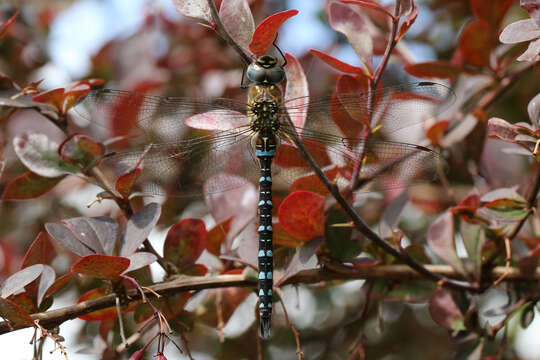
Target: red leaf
<point x="216" y="237"/>
<point x="491" y="11"/>
<point x="14" y="313"/>
<point x="369" y="4"/>
<point x="408" y="16"/>
<point x="29" y="186"/>
<point x="81" y="150"/>
<point x="475" y="43"/>
<point x="467" y="207"/>
<point x="337" y="64"/>
<point x="58" y="284"/>
<point x="283" y="238"/>
<point x="501" y="129"/>
<point x="444" y="310"/>
<point x="311" y="182"/>
<point x="99" y="315"/>
<point x="347" y="87"/>
<point x="125" y="182"/>
<point x="440" y="237"/>
<point x="296" y="91"/>
<point x="101" y="266"/>
<point x="185" y="242"/>
<point x="4" y="27"/>
<point x="302" y="214"/>
<point x="40" y="252"/>
<point x="356" y="27"/>
<point x="267" y="30"/>
<point x="434" y="69"/>
<point x="436" y="132"/>
<point x="287" y="155"/>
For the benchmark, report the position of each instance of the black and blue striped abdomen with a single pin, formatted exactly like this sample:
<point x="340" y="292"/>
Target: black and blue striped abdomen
<point x="265" y="241"/>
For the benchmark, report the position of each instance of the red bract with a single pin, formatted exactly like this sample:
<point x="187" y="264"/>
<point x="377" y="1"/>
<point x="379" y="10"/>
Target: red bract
<point x="266" y="31"/>
<point x="302" y="215"/>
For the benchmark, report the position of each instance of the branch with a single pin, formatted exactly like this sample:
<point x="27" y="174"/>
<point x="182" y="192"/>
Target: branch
<point x="387" y="272"/>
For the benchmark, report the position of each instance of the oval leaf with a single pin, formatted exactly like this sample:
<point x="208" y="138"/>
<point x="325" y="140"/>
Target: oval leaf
<point x="195" y="9"/>
<point x="29" y="186"/>
<point x="67" y="238"/>
<point x="14" y="313"/>
<point x="139" y="260"/>
<point x="139" y="227"/>
<point x="101" y="266"/>
<point x="440" y="238"/>
<point x="20" y="279"/>
<point x="99" y="315"/>
<point x="40" y="252"/>
<point x="356" y="27"/>
<point x="40" y="155"/>
<point x="238" y="21"/>
<point x="302" y="214"/>
<point x="185" y="242"/>
<point x="444" y="310"/>
<point x="296" y="91"/>
<point x="267" y="30"/>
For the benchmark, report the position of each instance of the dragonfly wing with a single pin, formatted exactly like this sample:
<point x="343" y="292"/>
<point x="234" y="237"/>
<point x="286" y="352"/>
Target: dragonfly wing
<point x="389" y="164"/>
<point x="394" y="108"/>
<point x="182" y="168"/>
<point x="158" y="118"/>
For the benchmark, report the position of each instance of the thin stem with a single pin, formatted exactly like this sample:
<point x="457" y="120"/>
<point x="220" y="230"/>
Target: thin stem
<point x="366" y="231"/>
<point x="299" y="352"/>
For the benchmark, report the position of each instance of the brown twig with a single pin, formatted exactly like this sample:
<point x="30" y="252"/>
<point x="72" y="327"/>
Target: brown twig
<point x="299" y="352"/>
<point x="56" y="317"/>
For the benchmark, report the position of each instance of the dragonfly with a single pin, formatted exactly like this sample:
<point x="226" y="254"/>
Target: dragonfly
<point x="255" y="139"/>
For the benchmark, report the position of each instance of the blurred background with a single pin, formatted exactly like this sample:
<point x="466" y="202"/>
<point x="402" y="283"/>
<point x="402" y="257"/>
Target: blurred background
<point x="148" y="46"/>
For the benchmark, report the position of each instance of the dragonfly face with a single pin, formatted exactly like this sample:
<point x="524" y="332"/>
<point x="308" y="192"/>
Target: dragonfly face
<point x="265" y="70"/>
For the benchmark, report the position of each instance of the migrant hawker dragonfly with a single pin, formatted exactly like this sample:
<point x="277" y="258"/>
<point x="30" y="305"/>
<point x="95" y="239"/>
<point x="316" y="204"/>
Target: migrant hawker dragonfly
<point x="253" y="139"/>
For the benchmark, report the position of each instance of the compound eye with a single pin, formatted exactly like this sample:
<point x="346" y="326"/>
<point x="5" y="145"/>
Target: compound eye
<point x="256" y="74"/>
<point x="275" y="75"/>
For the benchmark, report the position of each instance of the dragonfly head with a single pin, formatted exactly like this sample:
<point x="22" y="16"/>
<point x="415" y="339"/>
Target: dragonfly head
<point x="265" y="70"/>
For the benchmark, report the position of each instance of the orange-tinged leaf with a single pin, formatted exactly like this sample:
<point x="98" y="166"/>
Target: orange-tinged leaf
<point x="14" y="313"/>
<point x="437" y="131"/>
<point x="287" y="155"/>
<point x="58" y="284"/>
<point x="311" y="182"/>
<point x="185" y="242"/>
<point x="283" y="238"/>
<point x="302" y="214"/>
<point x="81" y="150"/>
<point x="434" y="69"/>
<point x="125" y="182"/>
<point x="4" y="27"/>
<point x="337" y="64"/>
<point x="101" y="266"/>
<point x="475" y="43"/>
<point x="40" y="252"/>
<point x="99" y="315"/>
<point x="216" y="237"/>
<point x="29" y="185"/>
<point x="267" y="30"/>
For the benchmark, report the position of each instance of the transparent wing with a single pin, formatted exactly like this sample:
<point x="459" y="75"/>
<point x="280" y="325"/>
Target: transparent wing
<point x="182" y="168"/>
<point x="389" y="164"/>
<point x="394" y="107"/>
<point x="155" y="117"/>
